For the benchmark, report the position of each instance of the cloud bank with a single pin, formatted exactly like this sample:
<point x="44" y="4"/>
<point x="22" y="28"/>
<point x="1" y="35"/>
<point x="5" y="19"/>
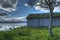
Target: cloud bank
<point x="14" y="19"/>
<point x="56" y="9"/>
<point x="8" y="5"/>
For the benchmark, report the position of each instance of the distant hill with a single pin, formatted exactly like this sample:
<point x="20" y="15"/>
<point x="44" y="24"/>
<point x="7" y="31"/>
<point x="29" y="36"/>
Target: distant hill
<point x="13" y="21"/>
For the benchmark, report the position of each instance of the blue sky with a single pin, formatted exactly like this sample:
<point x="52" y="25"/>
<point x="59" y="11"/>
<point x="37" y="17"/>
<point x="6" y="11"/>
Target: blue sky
<point x="22" y="10"/>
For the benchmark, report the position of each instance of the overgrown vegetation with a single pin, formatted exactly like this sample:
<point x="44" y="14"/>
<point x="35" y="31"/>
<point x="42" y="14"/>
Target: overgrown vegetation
<point x="43" y="15"/>
<point x="28" y="33"/>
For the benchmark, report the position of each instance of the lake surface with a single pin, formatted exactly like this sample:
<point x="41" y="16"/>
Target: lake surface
<point x="8" y="26"/>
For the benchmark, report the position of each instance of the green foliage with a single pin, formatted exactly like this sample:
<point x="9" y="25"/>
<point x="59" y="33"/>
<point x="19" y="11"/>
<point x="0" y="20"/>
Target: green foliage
<point x="29" y="33"/>
<point x="43" y="15"/>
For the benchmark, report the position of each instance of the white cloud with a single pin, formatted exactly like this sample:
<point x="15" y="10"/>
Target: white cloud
<point x="15" y="19"/>
<point x="57" y="9"/>
<point x="26" y="4"/>
<point x="8" y="9"/>
<point x="37" y="7"/>
<point x="11" y="3"/>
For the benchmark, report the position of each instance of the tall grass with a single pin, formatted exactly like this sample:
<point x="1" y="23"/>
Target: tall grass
<point x="28" y="33"/>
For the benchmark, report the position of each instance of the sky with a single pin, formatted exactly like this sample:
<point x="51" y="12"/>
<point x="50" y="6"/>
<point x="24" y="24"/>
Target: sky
<point x="23" y="11"/>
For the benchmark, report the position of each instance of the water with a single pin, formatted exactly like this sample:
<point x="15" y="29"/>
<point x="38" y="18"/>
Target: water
<point x="8" y="26"/>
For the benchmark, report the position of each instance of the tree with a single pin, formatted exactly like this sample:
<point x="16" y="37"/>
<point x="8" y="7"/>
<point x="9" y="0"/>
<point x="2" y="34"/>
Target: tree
<point x="48" y="4"/>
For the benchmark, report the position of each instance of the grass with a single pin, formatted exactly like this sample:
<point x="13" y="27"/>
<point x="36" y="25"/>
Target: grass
<point x="28" y="33"/>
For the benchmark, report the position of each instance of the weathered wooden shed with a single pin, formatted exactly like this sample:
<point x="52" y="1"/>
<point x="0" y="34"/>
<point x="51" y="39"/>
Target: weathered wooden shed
<point x="37" y="20"/>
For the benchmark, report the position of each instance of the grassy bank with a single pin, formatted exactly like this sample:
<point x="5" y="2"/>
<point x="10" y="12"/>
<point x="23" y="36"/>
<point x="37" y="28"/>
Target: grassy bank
<point x="25" y="33"/>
